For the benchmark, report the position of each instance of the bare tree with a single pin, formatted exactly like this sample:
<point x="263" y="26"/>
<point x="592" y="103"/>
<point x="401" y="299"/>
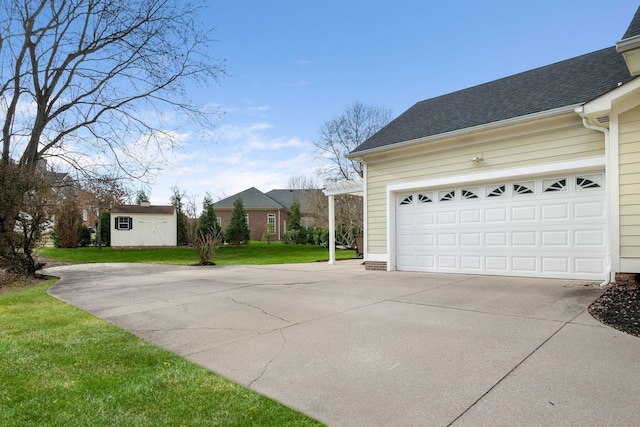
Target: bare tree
<point x="84" y="77"/>
<point x="342" y="134"/>
<point x="101" y="193"/>
<point x="94" y="82"/>
<point x="302" y="182"/>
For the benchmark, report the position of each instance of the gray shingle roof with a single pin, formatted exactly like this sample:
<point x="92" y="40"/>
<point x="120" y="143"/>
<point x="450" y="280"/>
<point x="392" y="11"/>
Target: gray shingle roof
<point x="252" y="198"/>
<point x="570" y="82"/>
<point x="285" y="198"/>
<point x="634" y="27"/>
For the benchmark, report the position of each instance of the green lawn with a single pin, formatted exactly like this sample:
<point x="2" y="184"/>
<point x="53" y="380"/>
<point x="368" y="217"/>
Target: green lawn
<point x="255" y="253"/>
<point x="63" y="367"/>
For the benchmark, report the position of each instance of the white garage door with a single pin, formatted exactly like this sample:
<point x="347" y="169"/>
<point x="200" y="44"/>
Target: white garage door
<point x="552" y="227"/>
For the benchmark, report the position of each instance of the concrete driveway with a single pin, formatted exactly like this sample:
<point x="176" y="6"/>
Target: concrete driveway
<point x="360" y="348"/>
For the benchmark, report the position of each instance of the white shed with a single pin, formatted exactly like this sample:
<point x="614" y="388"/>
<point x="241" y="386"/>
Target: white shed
<point x="145" y="225"/>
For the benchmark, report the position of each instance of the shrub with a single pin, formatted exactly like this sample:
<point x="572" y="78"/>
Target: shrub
<point x="268" y="235"/>
<point x="295" y="237"/>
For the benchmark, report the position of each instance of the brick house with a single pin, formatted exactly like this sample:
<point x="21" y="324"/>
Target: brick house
<point x="271" y="208"/>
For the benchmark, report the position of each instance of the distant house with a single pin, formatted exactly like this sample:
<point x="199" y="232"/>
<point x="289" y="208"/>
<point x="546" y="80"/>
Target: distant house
<point x="535" y="174"/>
<point x="144" y="225"/>
<point x="271" y="208"/>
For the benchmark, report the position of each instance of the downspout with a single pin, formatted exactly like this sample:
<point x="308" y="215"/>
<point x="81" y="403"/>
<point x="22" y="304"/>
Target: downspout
<point x="607" y="149"/>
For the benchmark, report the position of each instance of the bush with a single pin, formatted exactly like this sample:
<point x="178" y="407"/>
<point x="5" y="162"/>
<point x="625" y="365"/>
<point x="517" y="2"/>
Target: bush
<point x="85" y="237"/>
<point x="268" y="235"/>
<point x="295" y="237"/>
<point x="320" y="237"/>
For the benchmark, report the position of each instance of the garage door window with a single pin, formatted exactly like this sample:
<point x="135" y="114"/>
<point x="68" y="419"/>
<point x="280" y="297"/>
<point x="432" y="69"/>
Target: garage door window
<point x="470" y="193"/>
<point x="593" y="181"/>
<point x="524" y="188"/>
<point x="554" y="185"/>
<point x="424" y="198"/>
<point x="446" y="196"/>
<point x="498" y="191"/>
<point x="406" y="200"/>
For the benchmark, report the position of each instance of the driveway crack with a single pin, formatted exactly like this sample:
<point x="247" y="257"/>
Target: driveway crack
<point x="266" y="366"/>
<point x="261" y="309"/>
<point x="505" y="376"/>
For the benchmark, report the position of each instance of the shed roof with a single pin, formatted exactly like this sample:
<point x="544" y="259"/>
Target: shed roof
<point x="567" y="83"/>
<point x="151" y="209"/>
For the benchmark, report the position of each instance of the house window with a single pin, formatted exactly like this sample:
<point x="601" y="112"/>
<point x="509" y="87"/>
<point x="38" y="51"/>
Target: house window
<point x="85" y="215"/>
<point x="246" y="219"/>
<point x="219" y="222"/>
<point x="271" y="222"/>
<point x="124" y="223"/>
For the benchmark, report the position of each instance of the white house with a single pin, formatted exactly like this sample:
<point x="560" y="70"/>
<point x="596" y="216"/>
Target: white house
<point x="536" y="174"/>
<point x="143" y="225"/>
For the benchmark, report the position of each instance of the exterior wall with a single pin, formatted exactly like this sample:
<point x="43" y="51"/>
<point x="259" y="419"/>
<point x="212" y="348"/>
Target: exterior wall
<point x="629" y="175"/>
<point x="148" y="230"/>
<point x="257" y="221"/>
<point x="542" y="142"/>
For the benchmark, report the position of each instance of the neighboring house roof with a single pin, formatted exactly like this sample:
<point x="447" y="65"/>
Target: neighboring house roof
<point x="286" y="198"/>
<point x="572" y="82"/>
<point x="151" y="209"/>
<point x="252" y="198"/>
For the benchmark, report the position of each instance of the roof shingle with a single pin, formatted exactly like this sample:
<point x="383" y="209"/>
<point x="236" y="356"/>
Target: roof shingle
<point x="571" y="82"/>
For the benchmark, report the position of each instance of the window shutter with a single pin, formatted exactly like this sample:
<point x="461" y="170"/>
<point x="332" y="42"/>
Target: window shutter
<point x="130" y="223"/>
<point x="116" y="222"/>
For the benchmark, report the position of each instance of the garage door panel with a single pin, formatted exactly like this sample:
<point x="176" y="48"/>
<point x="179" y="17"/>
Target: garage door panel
<point x="496" y="215"/>
<point x="524" y="239"/>
<point x="589" y="238"/>
<point x="559" y="233"/>
<point x="524" y="213"/>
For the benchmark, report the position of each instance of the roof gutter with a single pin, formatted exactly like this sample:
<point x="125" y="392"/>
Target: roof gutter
<point x="607" y="149"/>
<point x="461" y="132"/>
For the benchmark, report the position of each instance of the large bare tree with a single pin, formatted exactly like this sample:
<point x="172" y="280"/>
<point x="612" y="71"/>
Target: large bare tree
<point x="97" y="83"/>
<point x="341" y="134"/>
<point x="89" y="77"/>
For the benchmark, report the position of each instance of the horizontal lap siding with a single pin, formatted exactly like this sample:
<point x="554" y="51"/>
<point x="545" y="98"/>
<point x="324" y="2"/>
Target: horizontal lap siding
<point x="629" y="157"/>
<point x="567" y="143"/>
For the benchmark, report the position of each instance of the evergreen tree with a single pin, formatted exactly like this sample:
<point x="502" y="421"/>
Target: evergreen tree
<point x="141" y="197"/>
<point x="208" y="223"/>
<point x="294" y="216"/>
<point x="237" y="231"/>
<point x="176" y="200"/>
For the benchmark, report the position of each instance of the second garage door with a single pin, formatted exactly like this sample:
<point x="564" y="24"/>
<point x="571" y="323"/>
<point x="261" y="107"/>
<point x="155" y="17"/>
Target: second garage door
<point x="548" y="227"/>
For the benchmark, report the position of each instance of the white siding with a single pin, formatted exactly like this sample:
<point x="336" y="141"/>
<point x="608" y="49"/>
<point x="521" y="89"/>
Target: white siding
<point x="151" y="230"/>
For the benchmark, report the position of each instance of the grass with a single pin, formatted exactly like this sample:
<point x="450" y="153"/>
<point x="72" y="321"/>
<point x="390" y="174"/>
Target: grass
<point x="255" y="253"/>
<point x="63" y="367"/>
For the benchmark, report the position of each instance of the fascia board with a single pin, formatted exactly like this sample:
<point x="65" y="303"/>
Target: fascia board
<point x="466" y="131"/>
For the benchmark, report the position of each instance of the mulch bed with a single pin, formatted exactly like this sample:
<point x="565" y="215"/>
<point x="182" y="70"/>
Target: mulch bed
<point x="619" y="307"/>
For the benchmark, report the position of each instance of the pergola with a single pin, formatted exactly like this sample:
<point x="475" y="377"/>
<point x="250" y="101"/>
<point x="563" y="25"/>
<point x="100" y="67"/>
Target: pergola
<point x="340" y="188"/>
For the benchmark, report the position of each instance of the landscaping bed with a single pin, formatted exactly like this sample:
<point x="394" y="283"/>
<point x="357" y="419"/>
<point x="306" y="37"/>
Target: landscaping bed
<point x="619" y="307"/>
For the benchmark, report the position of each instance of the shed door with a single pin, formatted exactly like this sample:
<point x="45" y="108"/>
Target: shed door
<point x="552" y="227"/>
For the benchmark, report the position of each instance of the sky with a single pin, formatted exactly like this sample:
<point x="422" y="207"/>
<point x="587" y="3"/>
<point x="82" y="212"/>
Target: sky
<point x="294" y="65"/>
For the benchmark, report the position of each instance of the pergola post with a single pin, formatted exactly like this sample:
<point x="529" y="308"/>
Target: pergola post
<point x="332" y="190"/>
<point x="332" y="230"/>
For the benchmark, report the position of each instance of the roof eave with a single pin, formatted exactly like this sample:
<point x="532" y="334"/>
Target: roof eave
<point x="461" y="132"/>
